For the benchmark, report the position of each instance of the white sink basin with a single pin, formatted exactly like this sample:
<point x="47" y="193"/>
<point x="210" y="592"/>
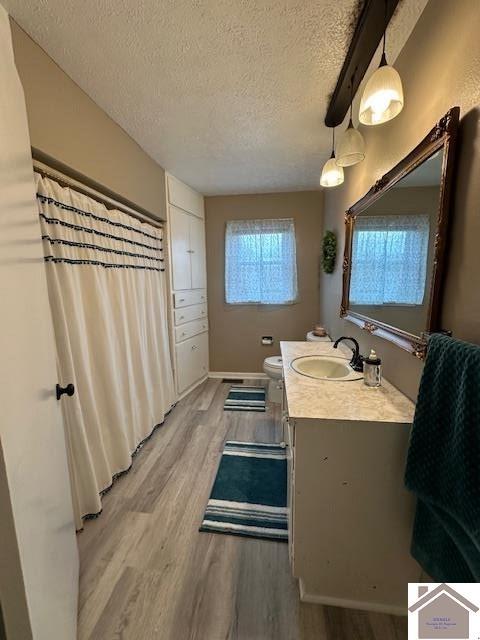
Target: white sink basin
<point x="332" y="368"/>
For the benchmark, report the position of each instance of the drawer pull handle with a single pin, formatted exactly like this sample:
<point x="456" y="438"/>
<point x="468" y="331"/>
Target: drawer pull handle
<point x="182" y="300"/>
<point x="182" y="317"/>
<point x="194" y="347"/>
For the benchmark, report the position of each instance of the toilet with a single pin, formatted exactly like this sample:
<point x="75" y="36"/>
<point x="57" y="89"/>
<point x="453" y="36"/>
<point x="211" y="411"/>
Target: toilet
<point x="272" y="366"/>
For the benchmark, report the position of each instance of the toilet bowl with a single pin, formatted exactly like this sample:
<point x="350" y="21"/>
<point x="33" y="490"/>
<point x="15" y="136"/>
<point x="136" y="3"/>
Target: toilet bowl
<point x="272" y="366"/>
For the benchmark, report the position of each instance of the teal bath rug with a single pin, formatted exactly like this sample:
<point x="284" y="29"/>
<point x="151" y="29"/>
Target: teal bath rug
<point x="245" y="399"/>
<point x="249" y="496"/>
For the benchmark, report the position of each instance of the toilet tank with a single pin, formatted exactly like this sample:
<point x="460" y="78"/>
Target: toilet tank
<point x="311" y="337"/>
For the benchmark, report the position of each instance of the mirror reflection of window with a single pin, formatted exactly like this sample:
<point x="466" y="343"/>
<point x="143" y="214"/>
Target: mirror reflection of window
<point x="393" y="250"/>
<point x="389" y="260"/>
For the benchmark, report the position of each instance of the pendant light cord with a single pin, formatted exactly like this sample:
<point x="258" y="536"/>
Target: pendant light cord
<point x="351" y="100"/>
<point x="385" y="24"/>
<point x="383" y="61"/>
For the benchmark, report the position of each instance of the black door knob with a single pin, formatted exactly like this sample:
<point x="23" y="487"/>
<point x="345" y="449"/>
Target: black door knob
<point x="69" y="390"/>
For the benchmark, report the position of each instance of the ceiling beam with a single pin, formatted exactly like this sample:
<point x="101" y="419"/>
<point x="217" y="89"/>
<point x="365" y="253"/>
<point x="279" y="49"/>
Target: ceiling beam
<point x="366" y="38"/>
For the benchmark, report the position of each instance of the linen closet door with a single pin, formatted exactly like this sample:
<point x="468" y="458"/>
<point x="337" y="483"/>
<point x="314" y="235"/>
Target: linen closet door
<point x="38" y="551"/>
<point x="180" y="249"/>
<point x="197" y="255"/>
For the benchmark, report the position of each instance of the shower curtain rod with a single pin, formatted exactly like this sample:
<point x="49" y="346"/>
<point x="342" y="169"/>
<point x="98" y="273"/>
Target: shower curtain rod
<point x="65" y="180"/>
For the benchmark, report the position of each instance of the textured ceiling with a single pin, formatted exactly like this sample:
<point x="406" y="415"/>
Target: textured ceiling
<point x="228" y="95"/>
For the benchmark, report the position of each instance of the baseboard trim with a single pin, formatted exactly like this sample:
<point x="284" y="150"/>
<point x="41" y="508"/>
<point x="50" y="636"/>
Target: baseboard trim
<point x="315" y="598"/>
<point x="190" y="389"/>
<point x="237" y="375"/>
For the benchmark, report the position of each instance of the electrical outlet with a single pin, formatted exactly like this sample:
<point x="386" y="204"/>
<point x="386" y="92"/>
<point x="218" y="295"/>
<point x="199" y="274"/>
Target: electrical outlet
<point x="267" y="340"/>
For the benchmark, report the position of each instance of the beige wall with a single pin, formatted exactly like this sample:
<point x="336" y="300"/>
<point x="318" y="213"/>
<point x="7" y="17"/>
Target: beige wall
<point x="68" y="126"/>
<point x="440" y="68"/>
<point x="236" y="330"/>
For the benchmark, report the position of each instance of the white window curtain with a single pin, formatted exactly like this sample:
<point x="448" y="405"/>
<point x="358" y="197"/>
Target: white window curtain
<point x="260" y="262"/>
<point x="389" y="260"/>
<point x="107" y="293"/>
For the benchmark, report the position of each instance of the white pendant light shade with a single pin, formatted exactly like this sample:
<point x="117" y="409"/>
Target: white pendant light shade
<point x="351" y="148"/>
<point x="332" y="174"/>
<point x="382" y="97"/>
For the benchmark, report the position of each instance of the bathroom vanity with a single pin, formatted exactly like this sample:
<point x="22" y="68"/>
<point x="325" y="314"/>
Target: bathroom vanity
<point x="350" y="517"/>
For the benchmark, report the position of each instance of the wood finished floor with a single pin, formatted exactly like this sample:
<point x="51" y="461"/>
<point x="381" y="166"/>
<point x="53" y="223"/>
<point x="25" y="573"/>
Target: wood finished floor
<point x="147" y="573"/>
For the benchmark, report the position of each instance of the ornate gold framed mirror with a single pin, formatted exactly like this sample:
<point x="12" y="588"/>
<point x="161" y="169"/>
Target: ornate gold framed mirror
<point x="396" y="244"/>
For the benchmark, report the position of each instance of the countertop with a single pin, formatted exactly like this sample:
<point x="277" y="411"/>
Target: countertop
<point x="331" y="400"/>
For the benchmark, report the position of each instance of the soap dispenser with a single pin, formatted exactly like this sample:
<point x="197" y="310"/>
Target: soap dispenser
<point x="372" y="370"/>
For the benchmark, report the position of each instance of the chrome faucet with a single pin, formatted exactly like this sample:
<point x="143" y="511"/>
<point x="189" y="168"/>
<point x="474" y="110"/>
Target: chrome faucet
<point x="357" y="360"/>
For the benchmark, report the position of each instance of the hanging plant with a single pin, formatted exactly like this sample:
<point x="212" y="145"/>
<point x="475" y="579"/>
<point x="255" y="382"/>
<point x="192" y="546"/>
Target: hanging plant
<point x="329" y="251"/>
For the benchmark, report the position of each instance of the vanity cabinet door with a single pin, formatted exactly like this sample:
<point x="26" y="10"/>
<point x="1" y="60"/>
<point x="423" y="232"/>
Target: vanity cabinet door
<point x="287" y="429"/>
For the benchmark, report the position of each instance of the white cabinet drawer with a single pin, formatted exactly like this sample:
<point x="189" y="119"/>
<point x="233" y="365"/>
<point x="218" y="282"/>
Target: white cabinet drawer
<point x="192" y="361"/>
<point x="185" y="331"/>
<point x="187" y="314"/>
<point x="187" y="298"/>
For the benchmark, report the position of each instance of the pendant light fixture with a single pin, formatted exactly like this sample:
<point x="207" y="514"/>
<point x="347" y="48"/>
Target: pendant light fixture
<point x="332" y="174"/>
<point x="351" y="148"/>
<point x="382" y="98"/>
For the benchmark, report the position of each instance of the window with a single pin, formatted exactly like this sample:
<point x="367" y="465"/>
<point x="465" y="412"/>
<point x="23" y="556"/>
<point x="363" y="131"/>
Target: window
<point x="260" y="262"/>
<point x="389" y="260"/>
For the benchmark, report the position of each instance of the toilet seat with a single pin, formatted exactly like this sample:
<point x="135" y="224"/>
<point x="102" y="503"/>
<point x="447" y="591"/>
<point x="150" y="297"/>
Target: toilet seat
<point x="274" y="361"/>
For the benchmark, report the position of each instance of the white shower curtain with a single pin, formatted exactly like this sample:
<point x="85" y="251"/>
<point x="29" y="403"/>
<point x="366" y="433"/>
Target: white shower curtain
<point x="107" y="293"/>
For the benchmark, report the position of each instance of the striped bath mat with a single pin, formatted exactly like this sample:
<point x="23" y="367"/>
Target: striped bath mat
<point x="245" y="399"/>
<point x="249" y="496"/>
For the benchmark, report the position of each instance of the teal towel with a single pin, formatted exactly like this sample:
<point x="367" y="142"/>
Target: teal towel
<point x="443" y="463"/>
